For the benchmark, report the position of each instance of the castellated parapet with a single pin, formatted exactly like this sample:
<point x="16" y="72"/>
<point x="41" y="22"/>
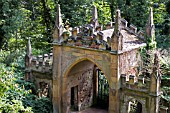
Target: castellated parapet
<point x="89" y="36"/>
<point x="135" y="83"/>
<point x="42" y="63"/>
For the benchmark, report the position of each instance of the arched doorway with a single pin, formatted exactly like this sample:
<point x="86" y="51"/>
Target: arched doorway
<point x="85" y="86"/>
<point x="134" y="106"/>
<point x="102" y="90"/>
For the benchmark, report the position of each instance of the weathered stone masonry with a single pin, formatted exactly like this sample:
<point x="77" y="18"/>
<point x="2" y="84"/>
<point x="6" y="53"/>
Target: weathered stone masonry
<point x="71" y="67"/>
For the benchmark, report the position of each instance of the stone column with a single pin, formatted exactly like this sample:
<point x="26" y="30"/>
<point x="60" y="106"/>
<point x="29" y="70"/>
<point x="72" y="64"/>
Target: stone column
<point x="155" y="84"/>
<point x="114" y="86"/>
<point x="57" y="108"/>
<point x="154" y="104"/>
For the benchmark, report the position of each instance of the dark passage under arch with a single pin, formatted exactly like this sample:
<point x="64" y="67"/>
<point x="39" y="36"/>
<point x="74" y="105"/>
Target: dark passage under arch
<point x="134" y="106"/>
<point x="87" y="87"/>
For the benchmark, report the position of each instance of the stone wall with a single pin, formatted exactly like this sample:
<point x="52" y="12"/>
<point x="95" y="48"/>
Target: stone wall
<point x="81" y="75"/>
<point x="130" y="62"/>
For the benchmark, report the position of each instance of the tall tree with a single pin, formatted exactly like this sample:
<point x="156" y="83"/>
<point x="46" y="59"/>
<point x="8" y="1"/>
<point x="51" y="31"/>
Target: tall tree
<point x="9" y="20"/>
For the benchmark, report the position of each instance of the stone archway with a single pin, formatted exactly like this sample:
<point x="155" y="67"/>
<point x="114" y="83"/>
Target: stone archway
<point x="134" y="106"/>
<point x="140" y="104"/>
<point x="79" y="86"/>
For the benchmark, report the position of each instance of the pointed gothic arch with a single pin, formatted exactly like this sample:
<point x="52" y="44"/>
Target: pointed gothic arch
<point x="80" y="59"/>
<point x="77" y="83"/>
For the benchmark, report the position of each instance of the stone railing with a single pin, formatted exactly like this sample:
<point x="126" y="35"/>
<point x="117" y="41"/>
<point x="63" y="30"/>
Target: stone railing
<point x="135" y="83"/>
<point x="42" y="63"/>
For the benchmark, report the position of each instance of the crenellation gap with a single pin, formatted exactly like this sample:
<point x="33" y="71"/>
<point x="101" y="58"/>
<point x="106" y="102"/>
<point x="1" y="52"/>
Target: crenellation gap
<point x="132" y="79"/>
<point x="51" y="56"/>
<point x="75" y="31"/>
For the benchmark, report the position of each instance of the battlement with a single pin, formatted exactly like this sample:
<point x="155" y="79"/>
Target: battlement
<point x="99" y="37"/>
<point x="135" y="83"/>
<point x="42" y="63"/>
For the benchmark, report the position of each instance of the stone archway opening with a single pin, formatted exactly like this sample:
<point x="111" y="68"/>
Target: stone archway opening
<point x="86" y="87"/>
<point x="102" y="90"/>
<point x="134" y="106"/>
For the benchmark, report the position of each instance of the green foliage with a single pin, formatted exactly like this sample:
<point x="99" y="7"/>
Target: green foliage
<point x="104" y="13"/>
<point x="76" y="12"/>
<point x="165" y="98"/>
<point x="10" y="92"/>
<point x="17" y="95"/>
<point x="9" y="19"/>
<point x="39" y="105"/>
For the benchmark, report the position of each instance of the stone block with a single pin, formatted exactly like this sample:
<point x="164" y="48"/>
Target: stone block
<point x="66" y="49"/>
<point x="114" y="59"/>
<point x="98" y="57"/>
<point x="90" y="56"/>
<point x="45" y="57"/>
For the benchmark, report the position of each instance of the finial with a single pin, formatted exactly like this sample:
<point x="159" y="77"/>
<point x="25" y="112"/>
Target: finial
<point x="94" y="19"/>
<point x="150" y="28"/>
<point x="29" y="49"/>
<point x="58" y="29"/>
<point x="58" y="22"/>
<point x="116" y="41"/>
<point x="151" y="17"/>
<point x="117" y="22"/>
<point x="94" y="13"/>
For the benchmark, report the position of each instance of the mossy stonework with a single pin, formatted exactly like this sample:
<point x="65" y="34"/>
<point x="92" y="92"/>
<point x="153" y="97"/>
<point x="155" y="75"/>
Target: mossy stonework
<point x="69" y="73"/>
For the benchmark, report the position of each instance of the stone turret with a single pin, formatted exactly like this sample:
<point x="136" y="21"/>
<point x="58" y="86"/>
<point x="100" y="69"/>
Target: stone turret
<point x="58" y="28"/>
<point x="94" y="19"/>
<point x="116" y="43"/>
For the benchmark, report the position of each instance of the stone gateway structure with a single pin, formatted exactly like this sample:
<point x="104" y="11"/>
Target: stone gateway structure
<point x="94" y="65"/>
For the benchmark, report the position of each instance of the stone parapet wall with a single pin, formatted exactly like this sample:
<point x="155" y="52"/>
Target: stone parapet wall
<point x="135" y="83"/>
<point x="100" y="37"/>
<point x="42" y="63"/>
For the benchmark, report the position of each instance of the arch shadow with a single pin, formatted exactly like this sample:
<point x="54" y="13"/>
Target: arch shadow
<point x="67" y="70"/>
<point x="78" y="60"/>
